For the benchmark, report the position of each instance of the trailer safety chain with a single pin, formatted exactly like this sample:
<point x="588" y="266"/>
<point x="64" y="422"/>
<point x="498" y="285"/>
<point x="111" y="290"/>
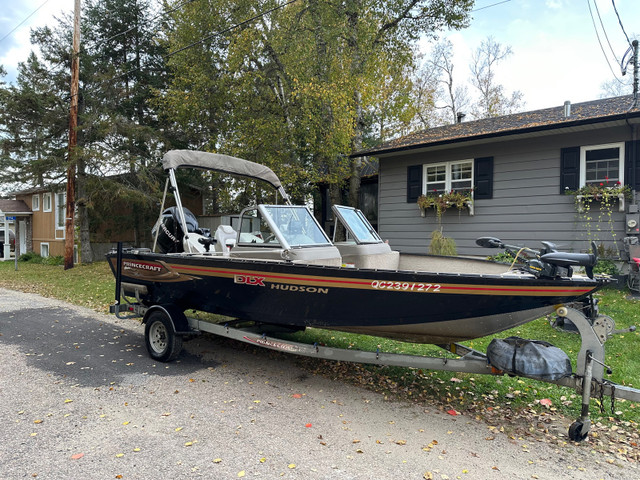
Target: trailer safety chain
<point x="613" y="399"/>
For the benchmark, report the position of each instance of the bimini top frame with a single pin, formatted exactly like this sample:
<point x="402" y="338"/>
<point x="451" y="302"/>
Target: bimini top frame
<point x="175" y="159"/>
<point x="222" y="163"/>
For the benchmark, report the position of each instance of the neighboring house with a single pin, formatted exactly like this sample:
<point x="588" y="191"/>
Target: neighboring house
<point x="15" y="223"/>
<point x="48" y="207"/>
<point x="45" y="232"/>
<point x="520" y="168"/>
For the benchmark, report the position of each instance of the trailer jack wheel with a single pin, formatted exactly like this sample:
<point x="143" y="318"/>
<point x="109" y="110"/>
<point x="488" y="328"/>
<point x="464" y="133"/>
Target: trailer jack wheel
<point x="576" y="432"/>
<point x="162" y="342"/>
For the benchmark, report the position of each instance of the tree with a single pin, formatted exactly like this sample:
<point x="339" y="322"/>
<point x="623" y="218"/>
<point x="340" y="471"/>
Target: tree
<point x="33" y="117"/>
<point x="435" y="82"/>
<point x="493" y="101"/>
<point x="302" y="83"/>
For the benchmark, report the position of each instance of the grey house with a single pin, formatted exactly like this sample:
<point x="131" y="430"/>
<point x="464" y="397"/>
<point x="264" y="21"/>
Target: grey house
<point x="520" y="169"/>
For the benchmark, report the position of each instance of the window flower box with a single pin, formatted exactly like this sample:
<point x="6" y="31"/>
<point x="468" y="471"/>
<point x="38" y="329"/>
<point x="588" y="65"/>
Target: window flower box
<point x="603" y="193"/>
<point x="440" y="202"/>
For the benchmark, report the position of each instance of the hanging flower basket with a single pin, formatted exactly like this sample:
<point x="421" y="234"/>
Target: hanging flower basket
<point x="440" y="202"/>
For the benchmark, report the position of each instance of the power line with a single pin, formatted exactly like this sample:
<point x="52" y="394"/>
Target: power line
<point x="23" y="21"/>
<point x="228" y="29"/>
<point x="160" y="15"/>
<point x="595" y="4"/>
<point x="600" y="43"/>
<point x="489" y="6"/>
<point x="620" y="22"/>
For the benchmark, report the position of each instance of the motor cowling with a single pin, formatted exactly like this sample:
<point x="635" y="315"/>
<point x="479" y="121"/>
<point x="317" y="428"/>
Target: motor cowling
<point x="170" y="232"/>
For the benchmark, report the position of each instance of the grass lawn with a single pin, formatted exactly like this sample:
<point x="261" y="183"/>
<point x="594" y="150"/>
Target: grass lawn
<point x="93" y="286"/>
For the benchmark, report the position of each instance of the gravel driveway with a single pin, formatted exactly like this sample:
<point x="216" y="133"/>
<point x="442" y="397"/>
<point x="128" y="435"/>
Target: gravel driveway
<point x="80" y="399"/>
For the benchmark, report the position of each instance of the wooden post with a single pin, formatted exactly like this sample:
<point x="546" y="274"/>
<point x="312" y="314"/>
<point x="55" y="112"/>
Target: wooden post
<point x="73" y="141"/>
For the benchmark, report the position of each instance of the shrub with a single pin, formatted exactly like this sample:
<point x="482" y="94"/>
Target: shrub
<point x="441" y="245"/>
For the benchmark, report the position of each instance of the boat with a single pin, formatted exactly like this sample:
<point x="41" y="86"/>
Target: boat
<point x="280" y="272"/>
<point x="281" y="268"/>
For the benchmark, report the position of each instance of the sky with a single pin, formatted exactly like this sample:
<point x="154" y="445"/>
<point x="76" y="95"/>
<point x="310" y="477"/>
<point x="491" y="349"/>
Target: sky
<point x="556" y="54"/>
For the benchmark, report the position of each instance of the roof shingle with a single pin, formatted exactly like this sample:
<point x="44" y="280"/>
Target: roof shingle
<point x="548" y="118"/>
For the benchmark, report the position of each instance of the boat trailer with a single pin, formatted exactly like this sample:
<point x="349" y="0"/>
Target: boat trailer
<point x="166" y="325"/>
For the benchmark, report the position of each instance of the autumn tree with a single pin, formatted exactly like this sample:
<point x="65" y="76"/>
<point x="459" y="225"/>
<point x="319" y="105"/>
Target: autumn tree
<point x="300" y="84"/>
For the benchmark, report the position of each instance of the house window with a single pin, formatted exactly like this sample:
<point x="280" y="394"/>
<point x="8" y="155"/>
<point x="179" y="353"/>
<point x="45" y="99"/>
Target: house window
<point x="447" y="177"/>
<point x="35" y="203"/>
<point x="61" y="209"/>
<point x="44" y="250"/>
<point x="46" y="202"/>
<point x="602" y="164"/>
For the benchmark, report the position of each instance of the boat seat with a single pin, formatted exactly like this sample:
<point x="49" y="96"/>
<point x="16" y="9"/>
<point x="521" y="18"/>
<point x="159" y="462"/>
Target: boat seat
<point x="225" y="239"/>
<point x="371" y="255"/>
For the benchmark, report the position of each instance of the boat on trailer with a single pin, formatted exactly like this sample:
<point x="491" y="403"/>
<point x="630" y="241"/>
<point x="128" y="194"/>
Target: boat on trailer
<point x="280" y="271"/>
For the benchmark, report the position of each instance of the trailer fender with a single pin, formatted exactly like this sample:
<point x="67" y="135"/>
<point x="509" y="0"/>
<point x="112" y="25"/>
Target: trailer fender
<point x="176" y="316"/>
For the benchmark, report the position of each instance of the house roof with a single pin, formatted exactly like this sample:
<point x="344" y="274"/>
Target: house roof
<point x="14" y="207"/>
<point x="604" y="111"/>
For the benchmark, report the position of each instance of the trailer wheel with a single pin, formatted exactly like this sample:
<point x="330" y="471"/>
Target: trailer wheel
<point x="575" y="431"/>
<point x="162" y="342"/>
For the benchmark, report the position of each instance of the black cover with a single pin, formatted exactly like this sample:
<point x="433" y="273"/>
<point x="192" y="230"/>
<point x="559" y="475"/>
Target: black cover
<point x="171" y="234"/>
<point x="531" y="358"/>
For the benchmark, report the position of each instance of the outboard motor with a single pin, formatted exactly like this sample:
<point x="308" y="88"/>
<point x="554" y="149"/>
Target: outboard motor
<point x="170" y="232"/>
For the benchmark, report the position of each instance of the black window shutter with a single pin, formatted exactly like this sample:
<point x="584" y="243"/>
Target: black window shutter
<point x="629" y="168"/>
<point x="414" y="183"/>
<point x="483" y="181"/>
<point x="569" y="169"/>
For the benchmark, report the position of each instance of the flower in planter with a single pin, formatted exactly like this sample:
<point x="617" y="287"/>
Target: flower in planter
<point x="441" y="201"/>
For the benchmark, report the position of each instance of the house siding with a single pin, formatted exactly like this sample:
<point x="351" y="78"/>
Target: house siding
<point x="526" y="207"/>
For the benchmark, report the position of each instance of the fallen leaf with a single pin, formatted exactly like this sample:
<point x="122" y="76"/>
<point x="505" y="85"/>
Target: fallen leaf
<point x="428" y="476"/>
<point x="68" y="400"/>
<point x="241" y="473"/>
<point x="37" y="421"/>
<point x="188" y="444"/>
<point x="296" y="395"/>
<point x="217" y="460"/>
<point x="308" y="425"/>
<point x="401" y="442"/>
<point x="119" y="455"/>
<point x="263" y="459"/>
<point x="178" y="429"/>
<point x="292" y="465"/>
<point x="355" y="441"/>
<point x="453" y="412"/>
<point x="77" y="456"/>
<point x="546" y="402"/>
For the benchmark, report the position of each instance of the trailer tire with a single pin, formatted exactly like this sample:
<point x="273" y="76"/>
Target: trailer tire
<point x="160" y="337"/>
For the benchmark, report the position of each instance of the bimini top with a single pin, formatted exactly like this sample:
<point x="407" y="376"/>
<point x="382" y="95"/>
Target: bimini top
<point x="220" y="163"/>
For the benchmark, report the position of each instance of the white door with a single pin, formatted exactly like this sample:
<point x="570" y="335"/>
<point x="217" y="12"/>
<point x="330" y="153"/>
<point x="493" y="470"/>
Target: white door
<point x="23" y="236"/>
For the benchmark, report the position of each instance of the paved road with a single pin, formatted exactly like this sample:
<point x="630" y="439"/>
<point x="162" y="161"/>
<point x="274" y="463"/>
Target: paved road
<point x="80" y="399"/>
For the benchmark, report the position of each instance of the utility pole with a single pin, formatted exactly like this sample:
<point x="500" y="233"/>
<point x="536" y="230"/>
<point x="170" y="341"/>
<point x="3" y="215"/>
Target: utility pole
<point x="634" y="45"/>
<point x="69" y="240"/>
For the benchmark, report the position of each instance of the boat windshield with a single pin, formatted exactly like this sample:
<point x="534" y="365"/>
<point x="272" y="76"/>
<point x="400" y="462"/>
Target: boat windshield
<point x="295" y="224"/>
<point x="358" y="227"/>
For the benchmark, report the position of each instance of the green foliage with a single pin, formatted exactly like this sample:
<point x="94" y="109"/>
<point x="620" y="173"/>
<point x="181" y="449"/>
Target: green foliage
<point x="440" y="202"/>
<point x="441" y="245"/>
<point x="595" y="204"/>
<point x="300" y="89"/>
<point x="33" y="258"/>
<point x="606" y="266"/>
